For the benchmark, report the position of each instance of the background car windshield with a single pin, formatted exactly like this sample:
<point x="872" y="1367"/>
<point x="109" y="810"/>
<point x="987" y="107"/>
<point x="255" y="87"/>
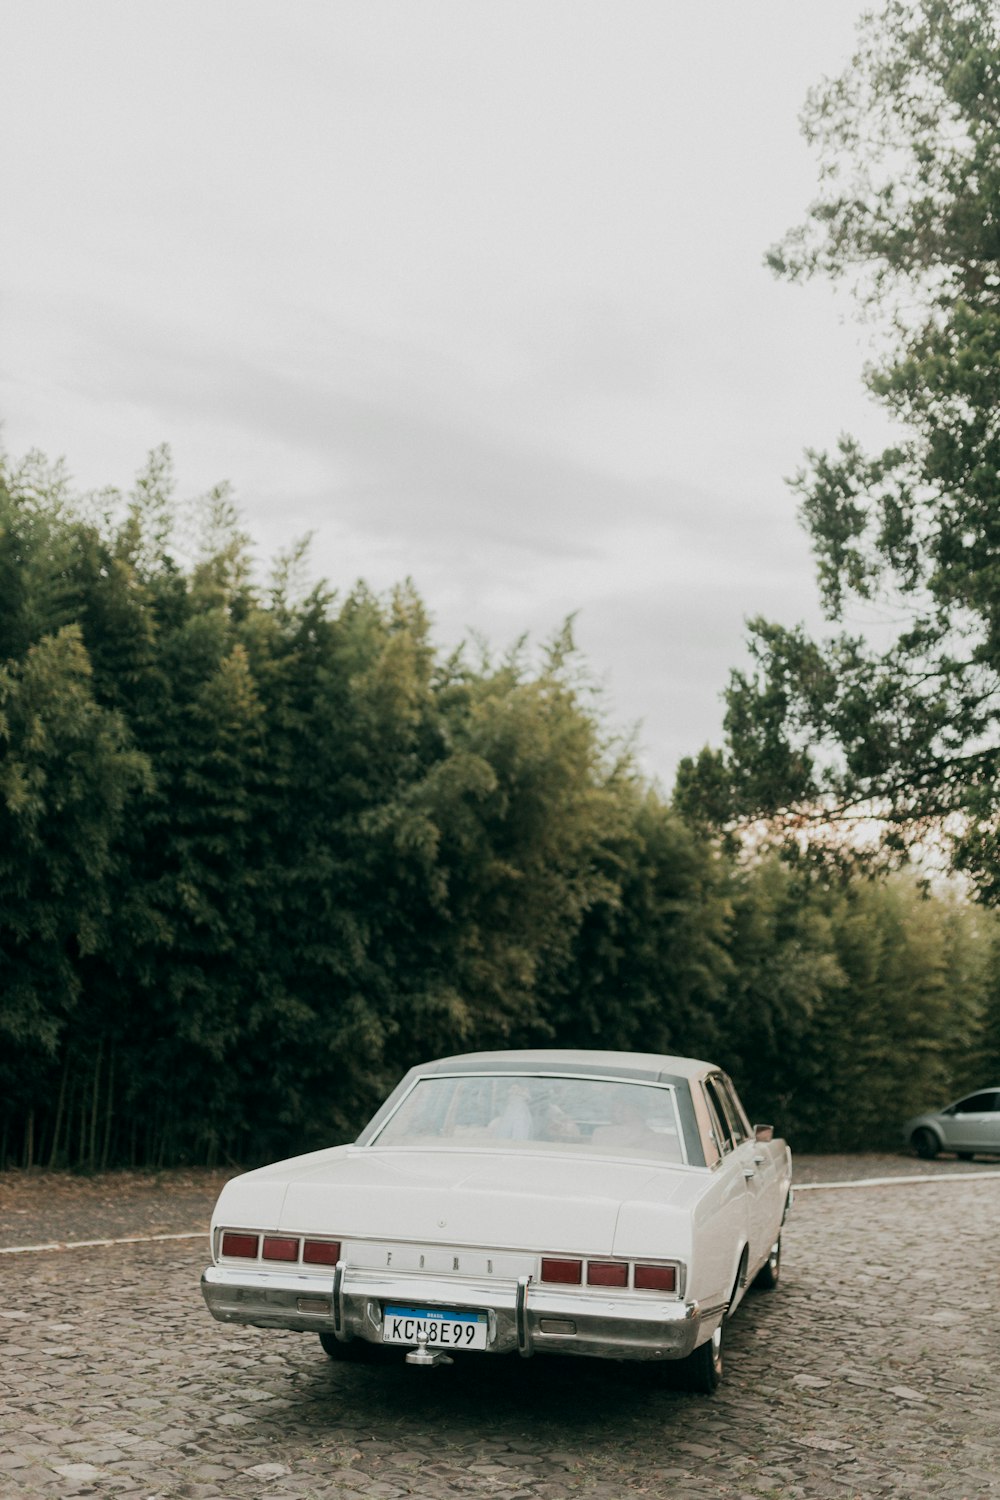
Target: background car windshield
<point x="595" y="1116"/>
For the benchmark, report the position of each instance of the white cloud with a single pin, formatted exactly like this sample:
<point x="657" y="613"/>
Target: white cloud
<point x="471" y="289"/>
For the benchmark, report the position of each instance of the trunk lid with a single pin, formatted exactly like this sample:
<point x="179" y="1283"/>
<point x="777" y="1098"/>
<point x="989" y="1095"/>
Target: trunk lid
<point x="532" y="1201"/>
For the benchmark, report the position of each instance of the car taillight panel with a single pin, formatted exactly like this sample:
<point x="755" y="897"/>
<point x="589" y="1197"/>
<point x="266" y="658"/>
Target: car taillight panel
<point x="656" y="1278"/>
<point x="566" y="1272"/>
<point x="280" y="1247"/>
<point x="321" y="1252"/>
<point x="243" y="1245"/>
<point x="607" y="1273"/>
<point x="285" y="1249"/>
<point x="555" y="1270"/>
<point x="641" y="1277"/>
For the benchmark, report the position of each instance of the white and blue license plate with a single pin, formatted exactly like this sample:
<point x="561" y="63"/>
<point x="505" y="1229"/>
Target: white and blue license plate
<point x="441" y="1327"/>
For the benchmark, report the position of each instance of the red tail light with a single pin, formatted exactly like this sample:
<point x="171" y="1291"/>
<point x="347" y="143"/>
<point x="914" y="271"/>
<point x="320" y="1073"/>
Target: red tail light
<point x="278" y="1248"/>
<point x="570" y="1272"/>
<point x="244" y="1245"/>
<point x="656" y="1278"/>
<point x="321" y="1252"/>
<point x="607" y="1273"/>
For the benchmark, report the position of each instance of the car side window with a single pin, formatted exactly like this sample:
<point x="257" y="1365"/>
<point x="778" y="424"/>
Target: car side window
<point x="977" y="1104"/>
<point x="738" y="1123"/>
<point x="708" y="1129"/>
<point x="720" y="1123"/>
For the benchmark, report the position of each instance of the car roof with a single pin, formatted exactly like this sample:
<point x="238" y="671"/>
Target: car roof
<point x="652" y="1066"/>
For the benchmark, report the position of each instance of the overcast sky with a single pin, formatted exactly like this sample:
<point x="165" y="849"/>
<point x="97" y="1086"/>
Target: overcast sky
<point x="470" y="289"/>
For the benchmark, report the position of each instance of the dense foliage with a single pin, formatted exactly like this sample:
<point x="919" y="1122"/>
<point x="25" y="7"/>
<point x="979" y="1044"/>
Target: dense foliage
<point x="899" y="721"/>
<point x="261" y="849"/>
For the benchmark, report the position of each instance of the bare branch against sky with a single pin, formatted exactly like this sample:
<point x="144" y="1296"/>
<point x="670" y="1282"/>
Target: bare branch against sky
<point x="471" y="289"/>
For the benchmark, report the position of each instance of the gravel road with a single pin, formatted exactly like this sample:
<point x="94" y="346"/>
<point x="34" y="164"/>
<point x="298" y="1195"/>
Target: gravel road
<point x="870" y="1372"/>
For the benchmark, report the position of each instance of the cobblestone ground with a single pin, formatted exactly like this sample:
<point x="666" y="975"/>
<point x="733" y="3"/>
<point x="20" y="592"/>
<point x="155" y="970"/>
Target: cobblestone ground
<point x="870" y="1372"/>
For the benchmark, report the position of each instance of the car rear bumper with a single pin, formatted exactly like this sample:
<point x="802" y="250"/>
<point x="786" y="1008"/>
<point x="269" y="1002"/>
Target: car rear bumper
<point x="524" y="1316"/>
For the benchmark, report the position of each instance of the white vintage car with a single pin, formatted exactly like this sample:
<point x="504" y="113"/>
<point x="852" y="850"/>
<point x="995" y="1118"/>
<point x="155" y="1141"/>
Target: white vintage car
<point x="548" y="1202"/>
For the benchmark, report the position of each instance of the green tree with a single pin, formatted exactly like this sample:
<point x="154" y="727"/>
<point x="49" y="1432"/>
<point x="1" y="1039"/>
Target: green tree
<point x="901" y="1033"/>
<point x="855" y="1002"/>
<point x="261" y="850"/>
<point x="36" y="546"/>
<point x="652" y="960"/>
<point x="67" y="778"/>
<point x="905" y="730"/>
<point x="787" y="986"/>
<point x="523" y="810"/>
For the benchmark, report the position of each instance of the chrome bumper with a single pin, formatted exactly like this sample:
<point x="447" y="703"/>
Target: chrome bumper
<point x="524" y="1317"/>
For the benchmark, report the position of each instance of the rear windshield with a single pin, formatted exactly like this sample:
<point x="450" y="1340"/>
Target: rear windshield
<point x="592" y="1116"/>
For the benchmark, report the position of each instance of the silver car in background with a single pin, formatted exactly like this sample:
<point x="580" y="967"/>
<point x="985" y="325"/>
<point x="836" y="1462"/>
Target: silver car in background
<point x="968" y="1127"/>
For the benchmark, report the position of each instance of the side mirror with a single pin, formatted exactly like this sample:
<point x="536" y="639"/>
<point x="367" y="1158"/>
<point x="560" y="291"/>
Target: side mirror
<point x="763" y="1133"/>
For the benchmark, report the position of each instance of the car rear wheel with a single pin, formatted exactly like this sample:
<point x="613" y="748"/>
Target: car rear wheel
<point x="767" y="1277"/>
<point x="702" y="1371"/>
<point x="357" y="1352"/>
<point x="925" y="1143"/>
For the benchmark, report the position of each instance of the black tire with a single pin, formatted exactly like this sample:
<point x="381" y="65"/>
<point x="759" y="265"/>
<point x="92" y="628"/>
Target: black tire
<point x="357" y="1352"/>
<point x="770" y="1272"/>
<point x="702" y="1371"/>
<point x="925" y="1143"/>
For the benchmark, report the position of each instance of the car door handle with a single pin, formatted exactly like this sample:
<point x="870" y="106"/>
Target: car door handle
<point x="759" y="1161"/>
<point x="749" y="1172"/>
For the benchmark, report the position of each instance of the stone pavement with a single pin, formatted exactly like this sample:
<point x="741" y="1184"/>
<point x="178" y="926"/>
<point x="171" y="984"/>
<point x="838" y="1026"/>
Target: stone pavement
<point x="36" y="1207"/>
<point x="870" y="1372"/>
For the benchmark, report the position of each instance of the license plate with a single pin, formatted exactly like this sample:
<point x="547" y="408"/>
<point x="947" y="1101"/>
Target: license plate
<point x="443" y="1329"/>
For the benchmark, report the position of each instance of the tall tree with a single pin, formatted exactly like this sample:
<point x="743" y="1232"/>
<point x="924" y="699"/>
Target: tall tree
<point x="652" y="960"/>
<point x="67" y="777"/>
<point x="258" y="852"/>
<point x="907" y="731"/>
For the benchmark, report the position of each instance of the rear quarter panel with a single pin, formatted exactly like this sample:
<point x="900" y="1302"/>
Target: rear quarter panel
<point x="704" y="1225"/>
<point x="719" y="1235"/>
<point x="254" y="1200"/>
